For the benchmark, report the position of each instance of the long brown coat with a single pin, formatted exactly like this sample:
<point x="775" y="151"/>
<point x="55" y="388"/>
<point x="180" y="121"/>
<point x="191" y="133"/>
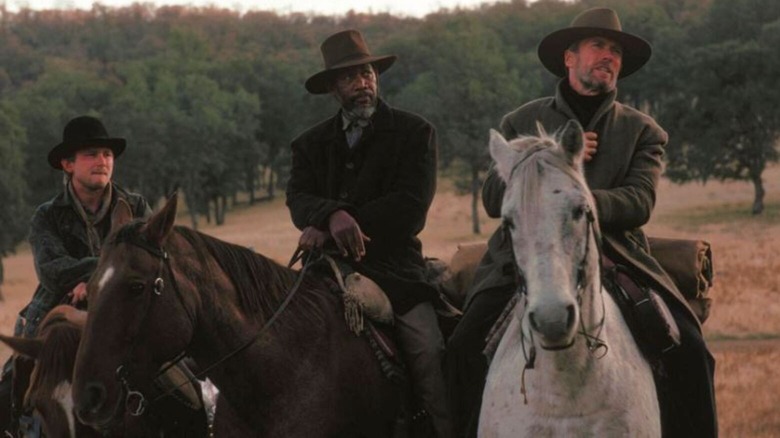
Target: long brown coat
<point x="386" y="182"/>
<point x="623" y="176"/>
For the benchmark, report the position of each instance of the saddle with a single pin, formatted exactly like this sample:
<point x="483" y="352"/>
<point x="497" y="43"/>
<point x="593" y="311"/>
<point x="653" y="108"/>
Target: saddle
<point x="362" y="297"/>
<point x="368" y="312"/>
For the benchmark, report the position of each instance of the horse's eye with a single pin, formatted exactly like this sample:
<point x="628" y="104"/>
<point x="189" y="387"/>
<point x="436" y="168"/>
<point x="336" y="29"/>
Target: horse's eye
<point x="578" y="212"/>
<point x="137" y="286"/>
<point x="507" y="222"/>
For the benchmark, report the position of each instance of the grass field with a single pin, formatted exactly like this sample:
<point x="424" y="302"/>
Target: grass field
<point x="744" y="327"/>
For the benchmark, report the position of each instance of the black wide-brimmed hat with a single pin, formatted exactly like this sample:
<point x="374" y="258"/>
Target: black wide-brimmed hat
<point x="81" y="132"/>
<point x="594" y="22"/>
<point x="344" y="49"/>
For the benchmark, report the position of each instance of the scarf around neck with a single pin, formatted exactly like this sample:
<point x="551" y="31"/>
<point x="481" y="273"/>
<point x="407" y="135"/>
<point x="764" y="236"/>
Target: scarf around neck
<point x="91" y="219"/>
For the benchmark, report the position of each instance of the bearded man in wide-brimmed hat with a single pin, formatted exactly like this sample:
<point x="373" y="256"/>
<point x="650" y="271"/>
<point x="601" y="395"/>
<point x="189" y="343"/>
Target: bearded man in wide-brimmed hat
<point x="362" y="182"/>
<point x="622" y="154"/>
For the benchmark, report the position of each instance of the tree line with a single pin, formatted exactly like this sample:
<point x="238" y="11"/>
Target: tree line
<point x="209" y="99"/>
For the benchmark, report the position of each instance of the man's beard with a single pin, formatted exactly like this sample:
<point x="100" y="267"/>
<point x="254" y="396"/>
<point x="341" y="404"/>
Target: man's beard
<point x="600" y="87"/>
<point x="360" y="111"/>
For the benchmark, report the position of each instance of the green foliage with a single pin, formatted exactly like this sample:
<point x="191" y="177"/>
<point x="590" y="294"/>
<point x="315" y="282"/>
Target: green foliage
<point x="15" y="213"/>
<point x="209" y="99"/>
<point x="725" y="124"/>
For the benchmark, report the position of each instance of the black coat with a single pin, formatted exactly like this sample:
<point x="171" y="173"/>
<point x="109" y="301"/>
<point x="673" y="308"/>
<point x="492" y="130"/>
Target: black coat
<point x="386" y="182"/>
<point x="61" y="251"/>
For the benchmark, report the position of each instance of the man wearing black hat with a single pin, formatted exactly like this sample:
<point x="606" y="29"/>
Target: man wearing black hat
<point x="623" y="152"/>
<point x="362" y="182"/>
<point x="66" y="232"/>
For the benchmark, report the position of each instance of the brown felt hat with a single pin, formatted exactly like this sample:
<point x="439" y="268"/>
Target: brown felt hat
<point x="594" y="22"/>
<point x="340" y="50"/>
<point x="83" y="132"/>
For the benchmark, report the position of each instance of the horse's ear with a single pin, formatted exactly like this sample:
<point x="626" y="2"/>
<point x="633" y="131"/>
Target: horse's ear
<point x="121" y="215"/>
<point x="161" y="223"/>
<point x="540" y="129"/>
<point x="29" y="347"/>
<point x="503" y="155"/>
<point x="572" y="142"/>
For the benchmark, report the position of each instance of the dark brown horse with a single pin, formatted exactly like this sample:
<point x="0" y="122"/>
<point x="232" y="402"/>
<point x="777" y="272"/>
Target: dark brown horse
<point x="278" y="351"/>
<point x="44" y="390"/>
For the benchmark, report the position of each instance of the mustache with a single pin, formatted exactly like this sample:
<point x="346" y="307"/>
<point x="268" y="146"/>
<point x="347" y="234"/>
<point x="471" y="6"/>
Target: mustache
<point x="606" y="65"/>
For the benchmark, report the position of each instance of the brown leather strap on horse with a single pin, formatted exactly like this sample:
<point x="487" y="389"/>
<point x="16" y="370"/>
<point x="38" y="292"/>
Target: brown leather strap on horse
<point x="645" y="312"/>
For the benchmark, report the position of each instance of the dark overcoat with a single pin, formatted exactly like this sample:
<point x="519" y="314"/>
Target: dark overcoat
<point x="386" y="182"/>
<point x="61" y="251"/>
<point x="623" y="176"/>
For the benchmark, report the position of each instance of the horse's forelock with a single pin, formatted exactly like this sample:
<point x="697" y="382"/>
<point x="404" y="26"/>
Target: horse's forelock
<point x="539" y="155"/>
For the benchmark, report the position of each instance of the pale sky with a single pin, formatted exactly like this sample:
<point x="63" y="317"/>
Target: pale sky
<point x="415" y="8"/>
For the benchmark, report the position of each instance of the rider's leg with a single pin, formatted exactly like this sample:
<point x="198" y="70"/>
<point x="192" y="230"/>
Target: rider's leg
<point x="465" y="365"/>
<point x="422" y="346"/>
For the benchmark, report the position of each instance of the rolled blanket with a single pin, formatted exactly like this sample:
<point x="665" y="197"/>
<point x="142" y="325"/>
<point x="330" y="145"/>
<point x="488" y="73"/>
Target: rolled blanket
<point x="688" y="263"/>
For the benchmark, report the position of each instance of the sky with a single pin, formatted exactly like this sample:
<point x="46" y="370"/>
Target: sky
<point x="413" y="8"/>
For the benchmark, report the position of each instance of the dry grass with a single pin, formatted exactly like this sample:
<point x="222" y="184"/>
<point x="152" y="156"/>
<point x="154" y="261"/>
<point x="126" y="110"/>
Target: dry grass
<point x="746" y="291"/>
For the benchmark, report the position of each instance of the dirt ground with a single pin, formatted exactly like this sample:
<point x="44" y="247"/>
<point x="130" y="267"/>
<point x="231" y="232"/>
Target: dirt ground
<point x="744" y="327"/>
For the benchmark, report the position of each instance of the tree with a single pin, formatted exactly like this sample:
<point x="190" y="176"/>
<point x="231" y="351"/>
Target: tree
<point x="725" y="124"/>
<point x="15" y="213"/>
<point x="466" y="89"/>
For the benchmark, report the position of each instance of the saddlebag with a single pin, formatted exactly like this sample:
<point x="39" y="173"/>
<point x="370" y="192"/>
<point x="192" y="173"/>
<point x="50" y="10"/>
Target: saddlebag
<point x="689" y="264"/>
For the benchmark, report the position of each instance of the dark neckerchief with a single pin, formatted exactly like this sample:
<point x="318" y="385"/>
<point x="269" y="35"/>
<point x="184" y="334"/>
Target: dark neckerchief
<point x="584" y="107"/>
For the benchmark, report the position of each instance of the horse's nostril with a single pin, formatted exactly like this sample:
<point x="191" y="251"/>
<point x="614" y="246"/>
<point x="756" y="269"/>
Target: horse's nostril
<point x="94" y="397"/>
<point x="571" y="314"/>
<point x="532" y="321"/>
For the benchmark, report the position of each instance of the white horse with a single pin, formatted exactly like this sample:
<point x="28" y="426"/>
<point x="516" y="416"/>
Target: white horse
<point x="567" y="365"/>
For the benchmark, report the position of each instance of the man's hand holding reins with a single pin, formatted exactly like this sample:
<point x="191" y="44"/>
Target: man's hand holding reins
<point x="313" y="238"/>
<point x="78" y="294"/>
<point x="345" y="230"/>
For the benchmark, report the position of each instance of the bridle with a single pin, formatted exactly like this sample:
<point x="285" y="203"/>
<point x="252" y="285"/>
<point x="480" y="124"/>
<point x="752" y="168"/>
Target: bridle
<point x="135" y="397"/>
<point x="595" y="345"/>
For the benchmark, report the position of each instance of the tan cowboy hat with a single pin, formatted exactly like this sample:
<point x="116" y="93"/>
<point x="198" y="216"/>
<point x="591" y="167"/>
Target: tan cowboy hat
<point x="594" y="22"/>
<point x="81" y="132"/>
<point x="344" y="49"/>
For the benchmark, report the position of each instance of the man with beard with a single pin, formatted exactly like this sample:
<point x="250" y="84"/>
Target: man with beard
<point x="622" y="154"/>
<point x="361" y="183"/>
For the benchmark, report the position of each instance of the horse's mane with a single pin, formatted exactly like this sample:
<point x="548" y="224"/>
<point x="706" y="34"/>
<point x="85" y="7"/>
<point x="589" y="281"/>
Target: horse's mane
<point x="536" y="155"/>
<point x="259" y="281"/>
<point x="57" y="355"/>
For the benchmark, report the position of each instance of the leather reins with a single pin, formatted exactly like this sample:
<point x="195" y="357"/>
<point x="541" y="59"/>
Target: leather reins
<point x="122" y="372"/>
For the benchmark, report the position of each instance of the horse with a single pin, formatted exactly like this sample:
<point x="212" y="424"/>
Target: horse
<point x="567" y="364"/>
<point x="272" y="339"/>
<point x="45" y="393"/>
